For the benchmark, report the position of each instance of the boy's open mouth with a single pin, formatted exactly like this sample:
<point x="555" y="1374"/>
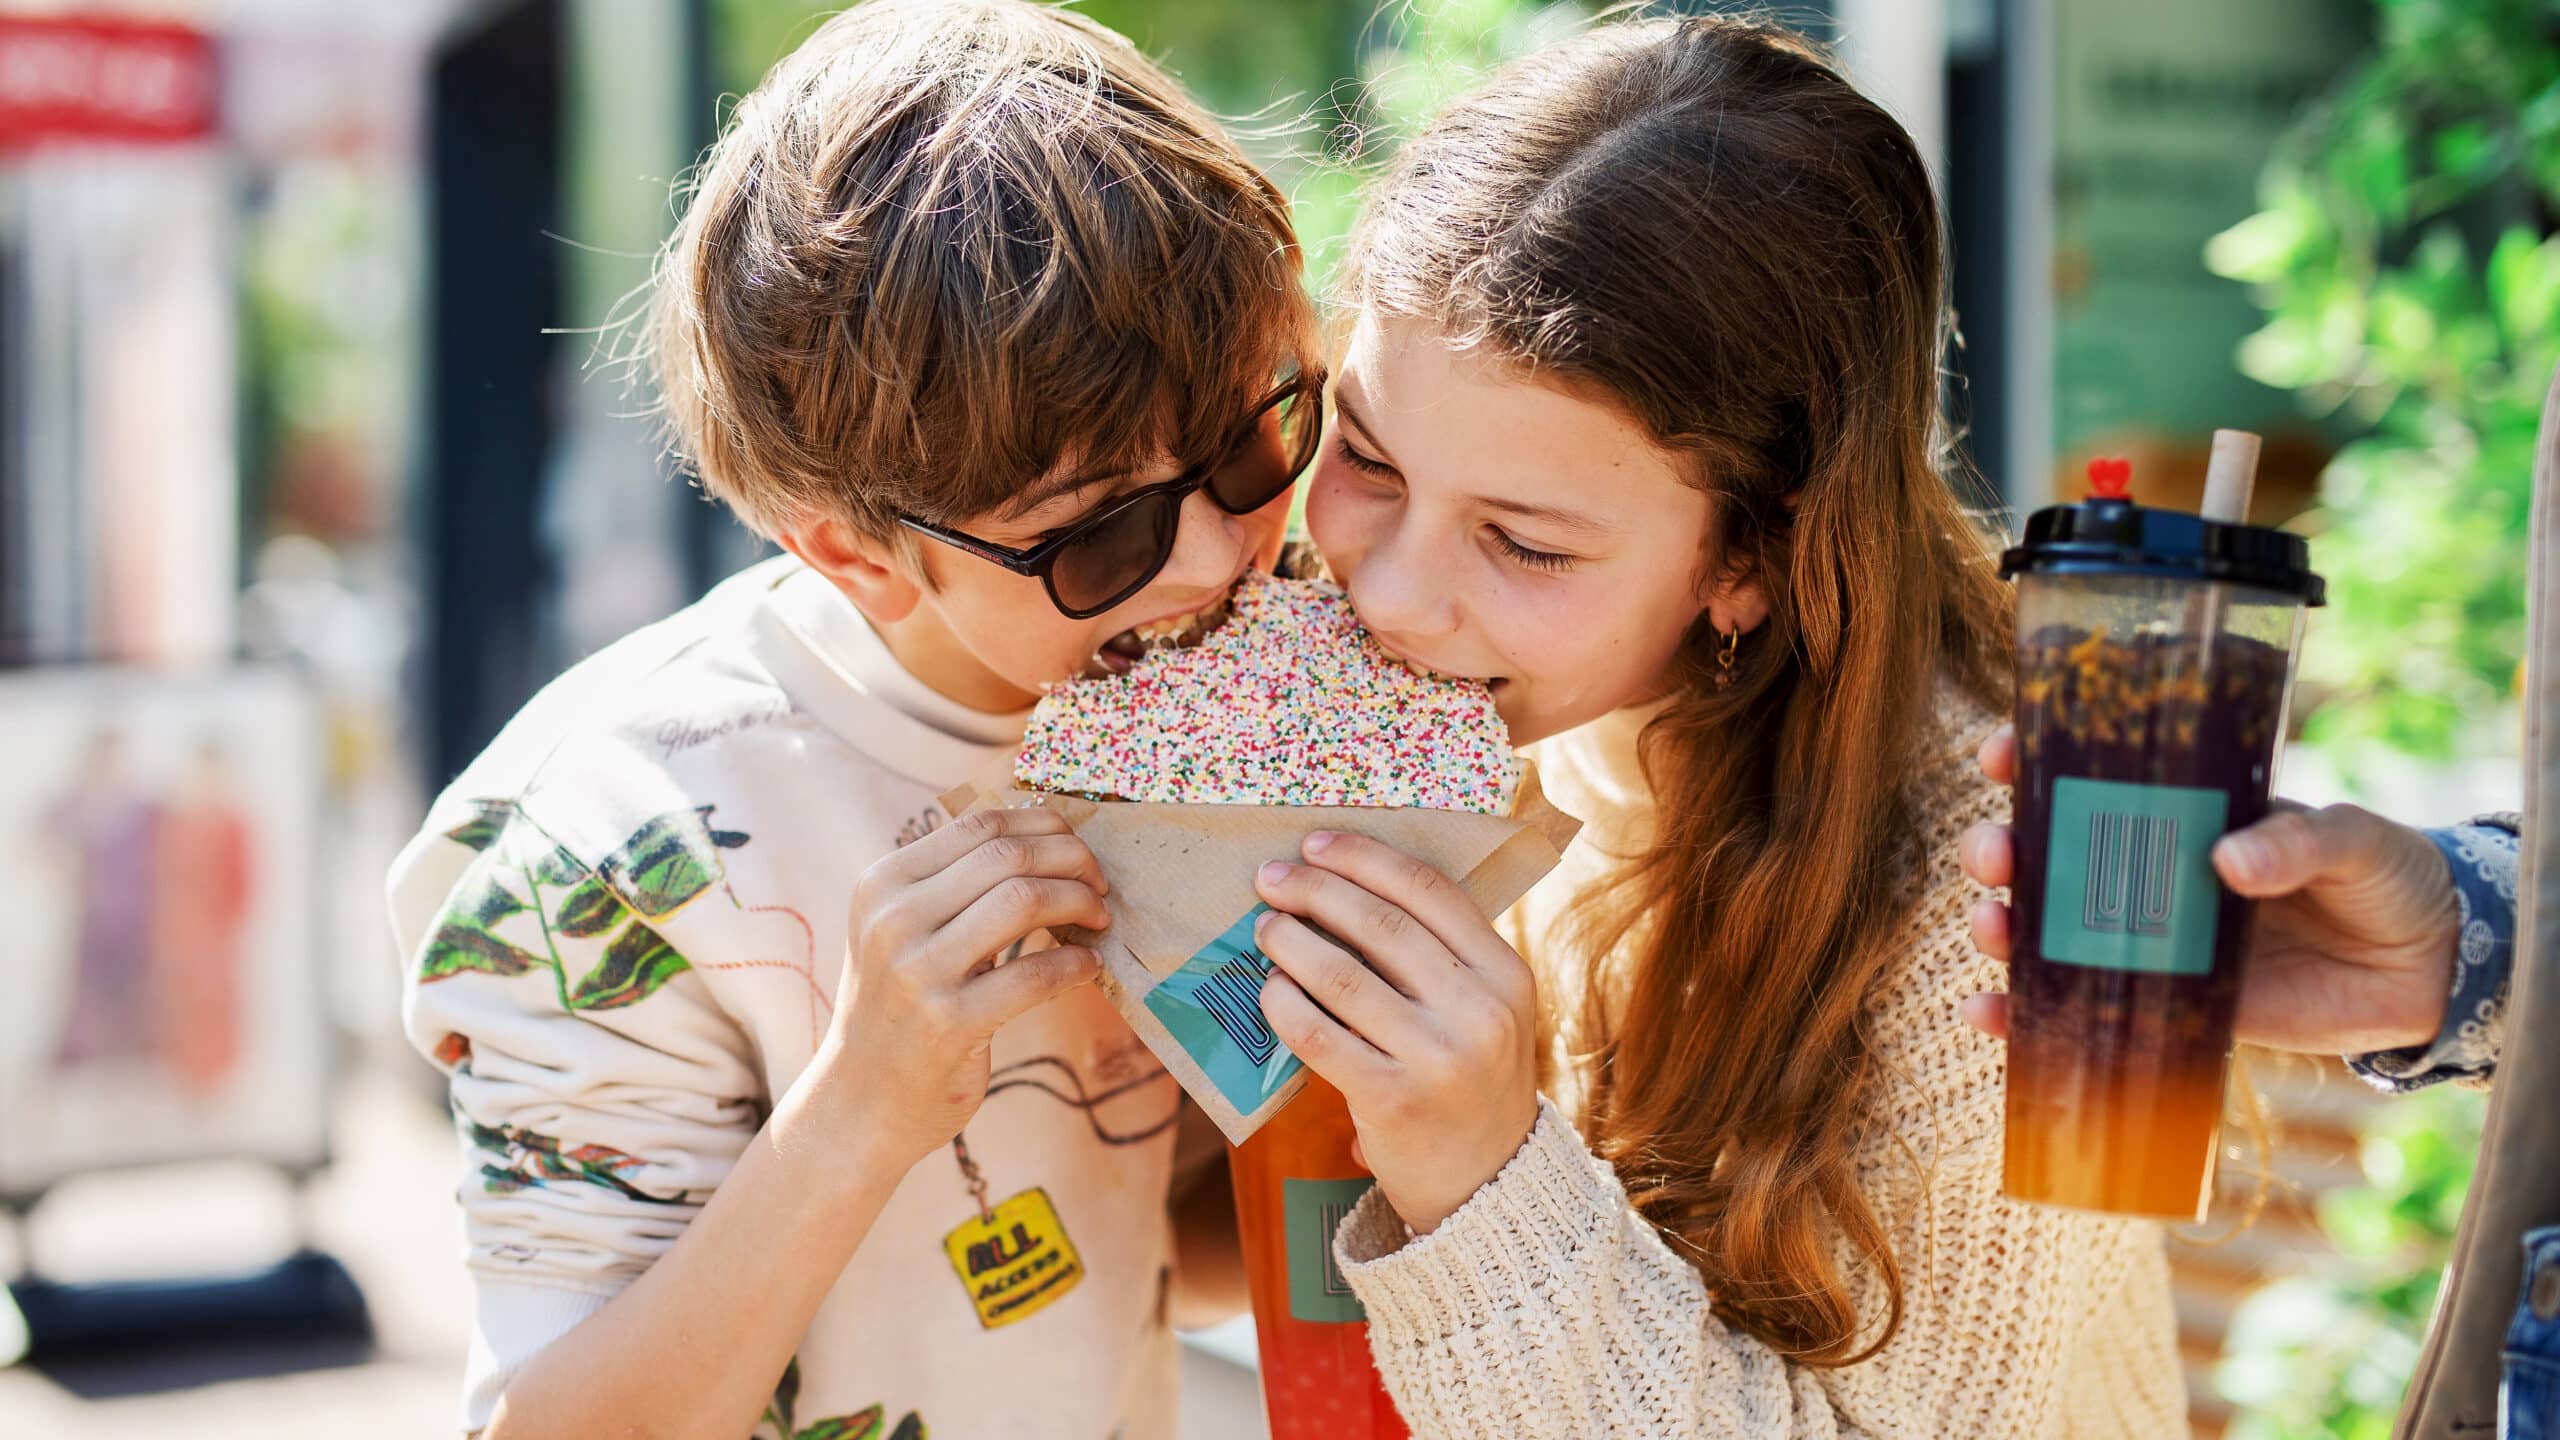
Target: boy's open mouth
<point x="1174" y="632"/>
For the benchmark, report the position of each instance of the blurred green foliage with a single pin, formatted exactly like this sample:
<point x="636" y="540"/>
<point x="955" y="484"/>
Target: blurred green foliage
<point x="2325" y="1356"/>
<point x="2404" y="258"/>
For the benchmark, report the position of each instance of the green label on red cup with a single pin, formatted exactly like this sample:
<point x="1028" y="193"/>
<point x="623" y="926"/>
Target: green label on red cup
<point x="2129" y="882"/>
<point x="1312" y="1210"/>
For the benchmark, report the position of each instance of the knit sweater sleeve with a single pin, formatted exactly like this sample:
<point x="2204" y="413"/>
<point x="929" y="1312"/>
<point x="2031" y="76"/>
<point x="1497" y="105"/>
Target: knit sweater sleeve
<point x="1548" y="1306"/>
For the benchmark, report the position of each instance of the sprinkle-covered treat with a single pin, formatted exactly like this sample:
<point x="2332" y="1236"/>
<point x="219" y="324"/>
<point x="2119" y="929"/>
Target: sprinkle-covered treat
<point x="1288" y="703"/>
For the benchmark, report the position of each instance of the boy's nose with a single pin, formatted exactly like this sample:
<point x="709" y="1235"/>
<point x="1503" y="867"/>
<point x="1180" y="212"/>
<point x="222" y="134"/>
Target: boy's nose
<point x="1208" y="547"/>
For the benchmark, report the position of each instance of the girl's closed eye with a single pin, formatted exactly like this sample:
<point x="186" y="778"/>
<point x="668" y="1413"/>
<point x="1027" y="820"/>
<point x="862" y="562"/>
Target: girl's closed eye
<point x="1365" y="464"/>
<point x="1530" y="556"/>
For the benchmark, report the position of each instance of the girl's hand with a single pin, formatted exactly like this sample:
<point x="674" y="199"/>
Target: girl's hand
<point x="1429" y="1030"/>
<point x="2356" y="926"/>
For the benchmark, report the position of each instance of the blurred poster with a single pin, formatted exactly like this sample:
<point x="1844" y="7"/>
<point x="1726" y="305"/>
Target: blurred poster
<point x="101" y="79"/>
<point x="2163" y="116"/>
<point x="120" y="345"/>
<point x="158" y="842"/>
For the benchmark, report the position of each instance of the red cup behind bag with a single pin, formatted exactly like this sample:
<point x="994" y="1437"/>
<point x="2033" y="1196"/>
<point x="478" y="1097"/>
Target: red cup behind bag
<point x="1294" y="1182"/>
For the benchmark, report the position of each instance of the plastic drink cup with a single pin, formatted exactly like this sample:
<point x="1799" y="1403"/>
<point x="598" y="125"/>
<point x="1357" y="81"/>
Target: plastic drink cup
<point x="1294" y="1182"/>
<point x="2154" y="667"/>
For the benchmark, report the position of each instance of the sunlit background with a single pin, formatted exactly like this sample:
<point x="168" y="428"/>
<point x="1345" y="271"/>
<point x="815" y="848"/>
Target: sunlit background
<point x="312" y="469"/>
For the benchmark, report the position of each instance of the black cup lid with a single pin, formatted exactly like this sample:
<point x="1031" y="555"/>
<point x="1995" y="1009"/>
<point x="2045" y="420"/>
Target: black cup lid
<point x="2118" y="537"/>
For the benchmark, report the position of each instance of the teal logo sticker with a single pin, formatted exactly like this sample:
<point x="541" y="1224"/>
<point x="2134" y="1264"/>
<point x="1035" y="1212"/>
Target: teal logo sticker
<point x="2129" y="882"/>
<point x="1213" y="1007"/>
<point x="1313" y="1210"/>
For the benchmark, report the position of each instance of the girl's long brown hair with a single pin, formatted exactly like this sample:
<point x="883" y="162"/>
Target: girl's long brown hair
<point x="1701" y="221"/>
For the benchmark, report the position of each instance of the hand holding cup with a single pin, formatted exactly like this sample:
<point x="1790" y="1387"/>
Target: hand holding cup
<point x="2356" y="924"/>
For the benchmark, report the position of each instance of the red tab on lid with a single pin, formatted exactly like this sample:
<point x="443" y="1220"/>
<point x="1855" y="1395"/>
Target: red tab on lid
<point x="2110" y="477"/>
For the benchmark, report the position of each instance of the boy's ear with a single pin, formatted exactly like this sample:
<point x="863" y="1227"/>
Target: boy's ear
<point x="871" y="573"/>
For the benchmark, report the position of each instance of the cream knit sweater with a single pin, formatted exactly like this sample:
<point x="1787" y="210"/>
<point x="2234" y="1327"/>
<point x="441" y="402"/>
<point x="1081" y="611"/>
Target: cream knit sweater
<point x="1548" y="1307"/>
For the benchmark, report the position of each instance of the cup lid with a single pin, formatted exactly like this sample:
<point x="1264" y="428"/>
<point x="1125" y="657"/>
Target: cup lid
<point x="2118" y="537"/>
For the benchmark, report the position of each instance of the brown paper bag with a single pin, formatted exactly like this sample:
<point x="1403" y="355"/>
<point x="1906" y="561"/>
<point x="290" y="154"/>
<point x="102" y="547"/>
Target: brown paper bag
<point x="1179" y="961"/>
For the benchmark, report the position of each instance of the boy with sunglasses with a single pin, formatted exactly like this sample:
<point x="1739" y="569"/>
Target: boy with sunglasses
<point x="1004" y="343"/>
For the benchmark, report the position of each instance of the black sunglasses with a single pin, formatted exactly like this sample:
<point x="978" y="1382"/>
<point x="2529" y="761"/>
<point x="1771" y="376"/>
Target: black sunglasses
<point x="1111" y="554"/>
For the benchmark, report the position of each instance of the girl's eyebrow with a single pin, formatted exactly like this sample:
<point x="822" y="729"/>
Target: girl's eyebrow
<point x="1573" y="520"/>
<point x="1563" y="519"/>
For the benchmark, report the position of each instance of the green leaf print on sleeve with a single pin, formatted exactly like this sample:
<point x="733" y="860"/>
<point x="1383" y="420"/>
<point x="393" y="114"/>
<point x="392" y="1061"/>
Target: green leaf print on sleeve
<point x="555" y="866"/>
<point x="482" y="899"/>
<point x="635" y="965"/>
<point x="863" y="1424"/>
<point x="665" y="863"/>
<point x="670" y="860"/>
<point x="589" y="910"/>
<point x="464" y="938"/>
<point x="520" y="1159"/>
<point x="488" y="821"/>
<point x="458" y="946"/>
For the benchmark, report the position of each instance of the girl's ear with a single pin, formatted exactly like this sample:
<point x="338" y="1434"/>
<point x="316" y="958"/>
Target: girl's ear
<point x="1737" y="606"/>
<point x="873" y="574"/>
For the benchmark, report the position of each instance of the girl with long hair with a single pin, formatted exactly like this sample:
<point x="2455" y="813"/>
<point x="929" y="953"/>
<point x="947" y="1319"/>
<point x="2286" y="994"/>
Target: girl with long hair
<point x="1639" y="420"/>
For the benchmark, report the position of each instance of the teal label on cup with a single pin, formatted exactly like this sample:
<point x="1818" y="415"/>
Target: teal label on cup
<point x="1312" y="1210"/>
<point x="2129" y="882"/>
<point x="1213" y="1007"/>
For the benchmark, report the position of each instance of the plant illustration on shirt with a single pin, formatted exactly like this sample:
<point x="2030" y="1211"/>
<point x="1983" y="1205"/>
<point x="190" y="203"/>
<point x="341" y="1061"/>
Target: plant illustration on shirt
<point x="596" y="943"/>
<point x="781" y="1422"/>
<point x="664" y="865"/>
<point x="528" y="1158"/>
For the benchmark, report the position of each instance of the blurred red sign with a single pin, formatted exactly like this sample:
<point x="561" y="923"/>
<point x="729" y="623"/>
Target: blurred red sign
<point x="110" y="81"/>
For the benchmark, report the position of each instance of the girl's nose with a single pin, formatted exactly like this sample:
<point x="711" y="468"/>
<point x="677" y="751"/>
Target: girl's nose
<point x="1400" y="591"/>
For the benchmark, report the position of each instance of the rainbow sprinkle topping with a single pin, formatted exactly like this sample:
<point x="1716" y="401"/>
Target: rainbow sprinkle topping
<point x="1289" y="703"/>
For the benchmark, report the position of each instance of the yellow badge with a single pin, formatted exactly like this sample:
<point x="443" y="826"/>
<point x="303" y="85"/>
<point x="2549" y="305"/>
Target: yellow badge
<point x="1015" y="1260"/>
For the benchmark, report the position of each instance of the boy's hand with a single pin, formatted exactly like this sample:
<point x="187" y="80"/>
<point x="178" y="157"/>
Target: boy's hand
<point x="923" y="993"/>
<point x="2353" y="946"/>
<point x="1429" y="1030"/>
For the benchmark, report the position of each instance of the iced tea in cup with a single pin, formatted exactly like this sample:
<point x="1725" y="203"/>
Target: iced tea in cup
<point x="2155" y="661"/>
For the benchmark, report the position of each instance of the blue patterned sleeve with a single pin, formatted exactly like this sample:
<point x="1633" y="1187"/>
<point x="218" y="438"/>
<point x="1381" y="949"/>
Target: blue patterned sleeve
<point x="2483" y="856"/>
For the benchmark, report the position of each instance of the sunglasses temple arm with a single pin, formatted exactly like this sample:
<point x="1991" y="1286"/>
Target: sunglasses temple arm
<point x="1020" y="562"/>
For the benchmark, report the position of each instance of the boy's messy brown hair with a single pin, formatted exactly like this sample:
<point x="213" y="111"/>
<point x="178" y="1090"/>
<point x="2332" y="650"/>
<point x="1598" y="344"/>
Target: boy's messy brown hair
<point x="950" y="246"/>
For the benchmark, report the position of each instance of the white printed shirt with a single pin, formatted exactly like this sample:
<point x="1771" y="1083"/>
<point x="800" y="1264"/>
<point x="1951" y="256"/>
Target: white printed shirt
<point x="623" y="929"/>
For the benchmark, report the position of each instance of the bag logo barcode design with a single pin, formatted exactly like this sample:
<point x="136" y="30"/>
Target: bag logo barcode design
<point x="1233" y="998"/>
<point x="2132" y="884"/>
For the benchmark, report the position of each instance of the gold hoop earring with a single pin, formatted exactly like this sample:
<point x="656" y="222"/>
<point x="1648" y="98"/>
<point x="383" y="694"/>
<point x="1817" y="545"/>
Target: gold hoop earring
<point x="1724" y="659"/>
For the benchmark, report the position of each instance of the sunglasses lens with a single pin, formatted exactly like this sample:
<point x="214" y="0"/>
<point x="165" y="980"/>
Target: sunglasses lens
<point x="1107" y="563"/>
<point x="1274" y="453"/>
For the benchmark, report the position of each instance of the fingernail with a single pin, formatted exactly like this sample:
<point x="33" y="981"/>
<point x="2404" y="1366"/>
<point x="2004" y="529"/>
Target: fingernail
<point x="1262" y="922"/>
<point x="2246" y="856"/>
<point x="1274" y="873"/>
<point x="1318" y="840"/>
